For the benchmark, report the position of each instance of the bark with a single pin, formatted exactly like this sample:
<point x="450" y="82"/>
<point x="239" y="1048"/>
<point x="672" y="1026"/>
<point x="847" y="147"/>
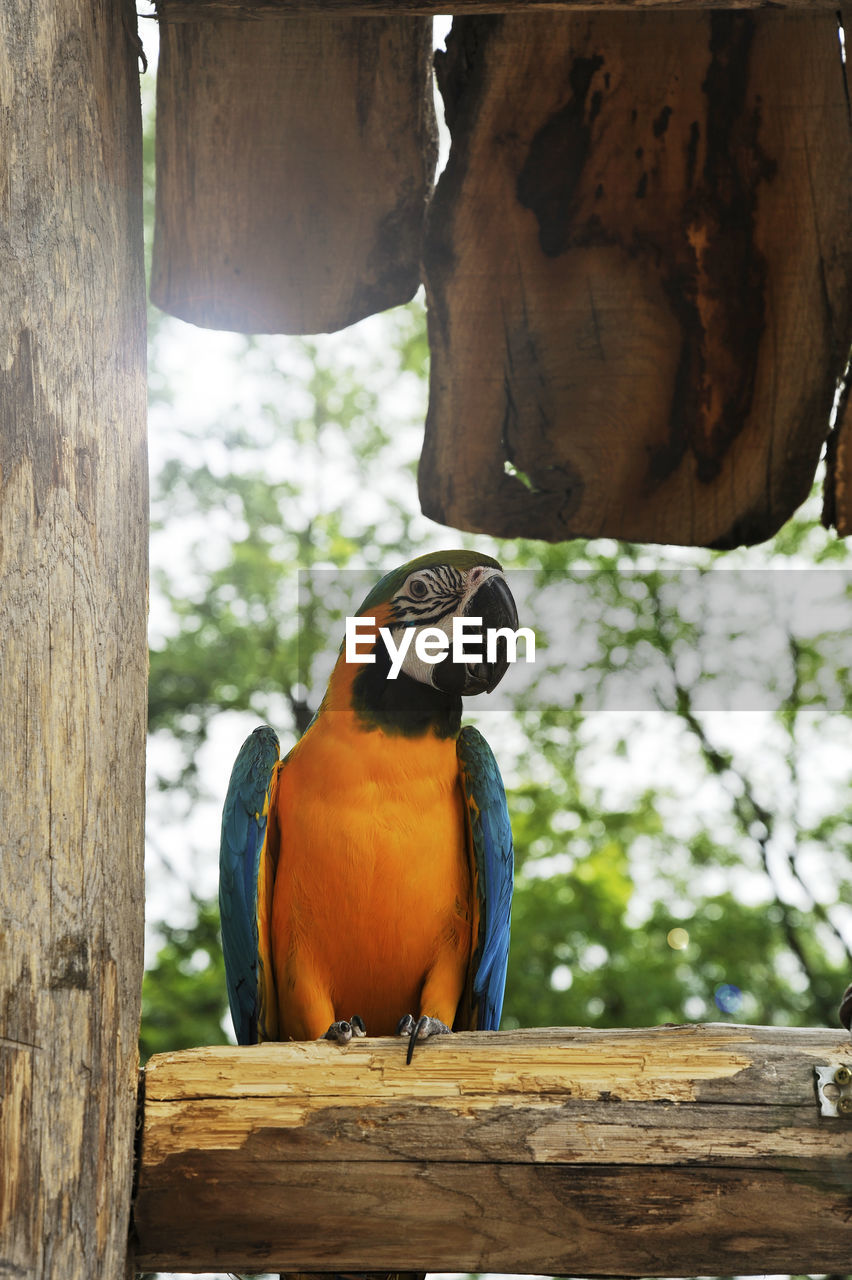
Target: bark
<point x="73" y="582"/>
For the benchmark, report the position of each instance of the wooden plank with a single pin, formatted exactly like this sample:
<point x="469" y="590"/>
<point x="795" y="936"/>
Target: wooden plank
<point x="551" y="1131"/>
<point x="293" y="168"/>
<point x="522" y="1219"/>
<point x="73" y="653"/>
<point x="198" y="10"/>
<point x="668" y="198"/>
<point x="679" y="1150"/>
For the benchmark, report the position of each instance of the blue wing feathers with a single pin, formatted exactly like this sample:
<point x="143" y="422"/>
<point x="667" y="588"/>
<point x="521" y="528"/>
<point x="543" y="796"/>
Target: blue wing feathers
<point x="243" y="832"/>
<point x="493" y="862"/>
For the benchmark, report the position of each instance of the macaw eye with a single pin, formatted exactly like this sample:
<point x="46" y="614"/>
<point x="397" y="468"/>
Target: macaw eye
<point x="418" y="589"/>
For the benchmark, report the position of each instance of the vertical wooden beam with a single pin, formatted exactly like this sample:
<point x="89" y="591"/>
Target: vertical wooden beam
<point x="73" y="577"/>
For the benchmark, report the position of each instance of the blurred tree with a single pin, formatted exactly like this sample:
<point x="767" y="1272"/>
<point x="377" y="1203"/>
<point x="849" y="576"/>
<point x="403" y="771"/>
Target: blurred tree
<point x="313" y="484"/>
<point x="680" y="860"/>
<point x="751" y="879"/>
<point x="671" y="866"/>
<point x="184" y="1002"/>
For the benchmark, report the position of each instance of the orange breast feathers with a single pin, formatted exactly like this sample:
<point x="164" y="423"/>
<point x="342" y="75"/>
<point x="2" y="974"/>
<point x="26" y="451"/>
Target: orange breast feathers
<point x="370" y="909"/>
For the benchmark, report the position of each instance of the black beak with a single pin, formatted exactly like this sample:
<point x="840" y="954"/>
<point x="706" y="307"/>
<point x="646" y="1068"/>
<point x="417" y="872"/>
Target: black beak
<point x="494" y="604"/>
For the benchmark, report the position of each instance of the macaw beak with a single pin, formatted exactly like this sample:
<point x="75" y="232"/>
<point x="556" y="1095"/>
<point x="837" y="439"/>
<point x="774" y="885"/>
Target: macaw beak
<point x="494" y="604"/>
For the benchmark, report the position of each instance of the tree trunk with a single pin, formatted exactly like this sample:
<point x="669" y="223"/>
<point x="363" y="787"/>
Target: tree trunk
<point x="73" y="583"/>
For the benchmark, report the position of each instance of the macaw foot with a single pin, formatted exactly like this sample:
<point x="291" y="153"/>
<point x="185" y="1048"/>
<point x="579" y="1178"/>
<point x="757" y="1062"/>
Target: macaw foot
<point x="845" y="1011"/>
<point x="420" y="1029"/>
<point x="342" y="1032"/>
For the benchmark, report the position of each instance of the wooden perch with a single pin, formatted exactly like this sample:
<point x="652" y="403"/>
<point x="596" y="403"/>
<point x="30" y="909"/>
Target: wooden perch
<point x="673" y="1151"/>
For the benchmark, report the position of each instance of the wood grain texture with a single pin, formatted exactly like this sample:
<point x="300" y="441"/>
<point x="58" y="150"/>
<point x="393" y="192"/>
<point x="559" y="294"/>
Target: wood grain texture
<point x="672" y="1151"/>
<point x="198" y="10"/>
<point x="294" y="163"/>
<point x="637" y="267"/>
<point x="73" y="657"/>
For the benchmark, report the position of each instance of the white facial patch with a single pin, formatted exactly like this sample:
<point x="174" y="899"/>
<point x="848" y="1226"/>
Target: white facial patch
<point x="435" y="639"/>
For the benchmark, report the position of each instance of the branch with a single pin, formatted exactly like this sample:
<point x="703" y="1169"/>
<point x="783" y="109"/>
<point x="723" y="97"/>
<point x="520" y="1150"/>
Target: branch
<point x="756" y="822"/>
<point x="749" y="814"/>
<point x="792" y="709"/>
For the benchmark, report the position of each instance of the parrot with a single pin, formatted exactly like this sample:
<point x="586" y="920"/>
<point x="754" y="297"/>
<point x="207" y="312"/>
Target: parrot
<point x="365" y="880"/>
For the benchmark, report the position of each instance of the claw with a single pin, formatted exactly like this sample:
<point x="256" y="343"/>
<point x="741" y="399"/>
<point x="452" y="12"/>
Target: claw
<point x="423" y="1028"/>
<point x="405" y="1025"/>
<point x="341" y="1032"/>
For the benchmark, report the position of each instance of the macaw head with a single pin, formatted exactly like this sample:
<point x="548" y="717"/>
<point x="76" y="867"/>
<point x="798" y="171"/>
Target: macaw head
<point x="428" y="597"/>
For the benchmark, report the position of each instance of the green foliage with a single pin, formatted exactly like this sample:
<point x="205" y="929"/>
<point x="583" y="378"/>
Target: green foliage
<point x="246" y="616"/>
<point x="184" y="1001"/>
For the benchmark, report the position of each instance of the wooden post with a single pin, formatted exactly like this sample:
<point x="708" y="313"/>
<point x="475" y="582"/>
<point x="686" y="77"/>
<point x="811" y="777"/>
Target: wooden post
<point x="73" y="569"/>
<point x="674" y="1151"/>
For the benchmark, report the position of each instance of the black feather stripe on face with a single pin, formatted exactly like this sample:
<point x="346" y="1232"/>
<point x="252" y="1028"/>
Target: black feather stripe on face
<point x="445" y="589"/>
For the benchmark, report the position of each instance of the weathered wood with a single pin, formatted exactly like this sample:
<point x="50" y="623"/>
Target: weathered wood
<point x="673" y="1151"/>
<point x="73" y="594"/>
<point x="638" y="270"/>
<point x="197" y="10"/>
<point x="294" y="163"/>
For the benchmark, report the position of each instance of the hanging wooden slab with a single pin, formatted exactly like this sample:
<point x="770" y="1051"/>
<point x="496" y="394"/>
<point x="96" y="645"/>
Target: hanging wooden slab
<point x="638" y="264"/>
<point x="294" y="162"/>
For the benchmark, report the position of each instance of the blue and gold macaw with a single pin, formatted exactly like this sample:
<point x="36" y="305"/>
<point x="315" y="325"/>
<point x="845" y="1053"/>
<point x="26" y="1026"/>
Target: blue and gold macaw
<point x="371" y="869"/>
